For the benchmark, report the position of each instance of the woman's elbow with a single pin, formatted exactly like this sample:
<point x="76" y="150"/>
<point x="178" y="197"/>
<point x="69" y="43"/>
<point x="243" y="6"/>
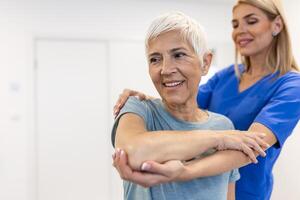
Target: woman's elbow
<point x="137" y="153"/>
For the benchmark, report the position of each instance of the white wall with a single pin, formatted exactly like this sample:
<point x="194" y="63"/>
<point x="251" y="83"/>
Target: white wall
<point x="23" y="21"/>
<point x="293" y="6"/>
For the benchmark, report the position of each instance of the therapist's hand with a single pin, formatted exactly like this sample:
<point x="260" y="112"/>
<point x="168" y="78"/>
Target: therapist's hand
<point x="124" y="97"/>
<point x="245" y="141"/>
<point x="166" y="172"/>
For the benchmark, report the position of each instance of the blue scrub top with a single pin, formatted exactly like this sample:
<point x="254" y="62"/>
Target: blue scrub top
<point x="272" y="101"/>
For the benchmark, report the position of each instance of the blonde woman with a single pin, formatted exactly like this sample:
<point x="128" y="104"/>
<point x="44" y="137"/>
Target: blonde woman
<point x="262" y="94"/>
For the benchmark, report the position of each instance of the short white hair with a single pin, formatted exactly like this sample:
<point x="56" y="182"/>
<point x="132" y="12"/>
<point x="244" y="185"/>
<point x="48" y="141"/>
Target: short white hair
<point x="189" y="28"/>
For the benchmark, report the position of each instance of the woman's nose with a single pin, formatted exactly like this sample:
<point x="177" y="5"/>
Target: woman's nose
<point x="167" y="67"/>
<point x="241" y="28"/>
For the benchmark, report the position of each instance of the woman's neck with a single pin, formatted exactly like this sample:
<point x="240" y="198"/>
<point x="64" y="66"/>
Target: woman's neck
<point x="258" y="66"/>
<point x="187" y="112"/>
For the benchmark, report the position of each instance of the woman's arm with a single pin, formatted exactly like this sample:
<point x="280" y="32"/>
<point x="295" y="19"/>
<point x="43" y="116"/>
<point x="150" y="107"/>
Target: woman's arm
<point x="161" y="146"/>
<point x="223" y="161"/>
<point x="155" y="173"/>
<point x="231" y="191"/>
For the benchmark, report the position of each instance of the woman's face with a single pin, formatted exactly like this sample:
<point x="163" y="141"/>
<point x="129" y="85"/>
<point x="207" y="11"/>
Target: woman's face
<point x="252" y="30"/>
<point x="174" y="68"/>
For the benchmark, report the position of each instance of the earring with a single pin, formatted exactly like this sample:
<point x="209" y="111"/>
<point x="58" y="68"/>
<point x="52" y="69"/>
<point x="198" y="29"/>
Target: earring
<point x="274" y="34"/>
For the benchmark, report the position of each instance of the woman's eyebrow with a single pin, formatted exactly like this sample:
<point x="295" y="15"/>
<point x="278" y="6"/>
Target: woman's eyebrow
<point x="154" y="54"/>
<point x="245" y="17"/>
<point x="177" y="49"/>
<point x="249" y="15"/>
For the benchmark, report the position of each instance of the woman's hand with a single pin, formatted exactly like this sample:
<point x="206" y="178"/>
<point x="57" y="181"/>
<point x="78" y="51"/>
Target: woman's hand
<point x="166" y="172"/>
<point x="123" y="98"/>
<point x="247" y="142"/>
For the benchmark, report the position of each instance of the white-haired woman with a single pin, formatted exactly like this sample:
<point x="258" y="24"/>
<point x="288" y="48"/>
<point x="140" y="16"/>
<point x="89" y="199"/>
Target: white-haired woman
<point x="260" y="95"/>
<point x="170" y="130"/>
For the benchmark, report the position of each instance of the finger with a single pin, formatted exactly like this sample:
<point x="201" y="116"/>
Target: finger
<point x="249" y="152"/>
<point x="116" y="110"/>
<point x="259" y="150"/>
<point x="258" y="143"/>
<point x="128" y="92"/>
<point x="120" y="103"/>
<point x="123" y="158"/>
<point x="262" y="143"/>
<point x="254" y="145"/>
<point x="113" y="157"/>
<point x="116" y="158"/>
<point x="122" y="100"/>
<point x="254" y="135"/>
<point x="153" y="167"/>
<point x="148" y="179"/>
<point x="261" y="135"/>
<point x="117" y="155"/>
<point x="123" y="167"/>
<point x="141" y="96"/>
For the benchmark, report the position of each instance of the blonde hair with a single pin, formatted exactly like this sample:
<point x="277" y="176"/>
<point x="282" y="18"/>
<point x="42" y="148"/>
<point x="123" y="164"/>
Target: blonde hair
<point x="280" y="56"/>
<point x="190" y="29"/>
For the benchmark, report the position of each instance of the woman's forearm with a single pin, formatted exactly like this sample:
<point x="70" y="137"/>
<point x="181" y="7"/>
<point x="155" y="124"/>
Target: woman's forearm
<point x="220" y="162"/>
<point x="162" y="146"/>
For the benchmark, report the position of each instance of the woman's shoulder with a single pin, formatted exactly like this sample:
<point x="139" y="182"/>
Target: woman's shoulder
<point x="290" y="78"/>
<point x="287" y="85"/>
<point x="292" y="74"/>
<point x="220" y="120"/>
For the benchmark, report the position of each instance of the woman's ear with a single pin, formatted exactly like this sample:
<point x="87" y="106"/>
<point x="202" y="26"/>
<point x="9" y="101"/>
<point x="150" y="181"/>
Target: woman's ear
<point x="277" y="25"/>
<point x="207" y="58"/>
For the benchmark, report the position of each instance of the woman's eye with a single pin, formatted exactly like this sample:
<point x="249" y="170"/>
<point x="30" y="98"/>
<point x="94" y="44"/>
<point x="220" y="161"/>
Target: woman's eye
<point x="252" y="21"/>
<point x="235" y="25"/>
<point x="179" y="55"/>
<point x="154" y="60"/>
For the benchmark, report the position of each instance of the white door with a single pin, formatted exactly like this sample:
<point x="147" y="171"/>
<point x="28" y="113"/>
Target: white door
<point x="72" y="115"/>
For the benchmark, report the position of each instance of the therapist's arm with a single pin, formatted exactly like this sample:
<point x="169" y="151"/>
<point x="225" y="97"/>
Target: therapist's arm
<point x="224" y="161"/>
<point x="161" y="146"/>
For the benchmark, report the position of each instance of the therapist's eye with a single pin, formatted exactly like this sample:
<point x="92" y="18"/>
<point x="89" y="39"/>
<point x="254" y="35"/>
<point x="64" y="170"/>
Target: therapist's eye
<point x="235" y="24"/>
<point x="252" y="21"/>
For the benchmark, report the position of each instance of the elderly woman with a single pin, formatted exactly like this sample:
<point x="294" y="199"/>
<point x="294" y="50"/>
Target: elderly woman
<point x="169" y="130"/>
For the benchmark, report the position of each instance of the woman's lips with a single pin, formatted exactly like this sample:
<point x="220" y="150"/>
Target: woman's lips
<point x="173" y="84"/>
<point x="244" y="42"/>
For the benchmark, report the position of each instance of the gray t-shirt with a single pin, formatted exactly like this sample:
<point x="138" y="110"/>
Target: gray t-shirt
<point x="157" y="118"/>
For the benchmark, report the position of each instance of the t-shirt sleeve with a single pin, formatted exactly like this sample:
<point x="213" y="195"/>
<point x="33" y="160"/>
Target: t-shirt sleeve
<point x="133" y="105"/>
<point x="205" y="92"/>
<point x="282" y="112"/>
<point x="234" y="176"/>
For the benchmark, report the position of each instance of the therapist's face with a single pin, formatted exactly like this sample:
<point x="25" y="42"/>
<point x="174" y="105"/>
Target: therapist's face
<point x="252" y="30"/>
<point x="174" y="68"/>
